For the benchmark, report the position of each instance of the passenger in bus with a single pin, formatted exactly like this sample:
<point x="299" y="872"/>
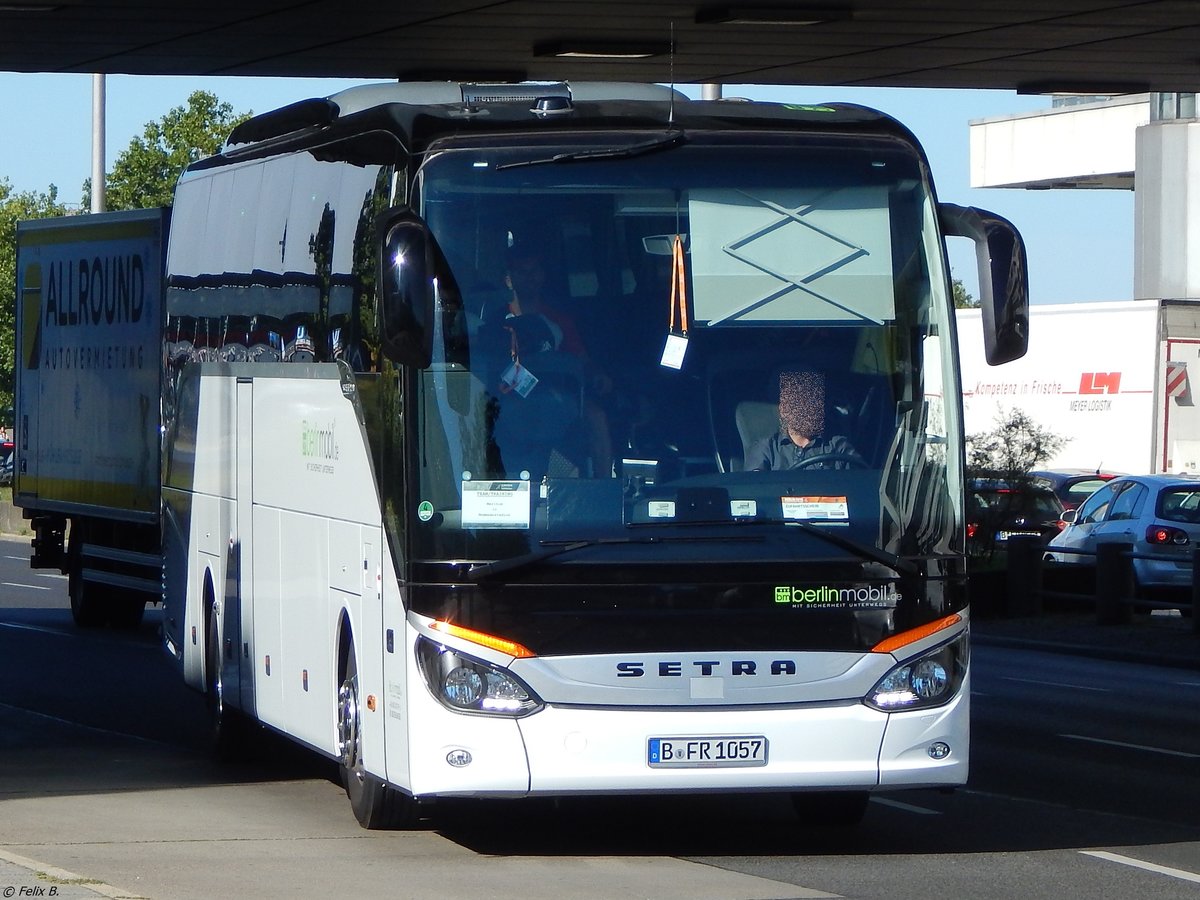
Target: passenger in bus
<point x="556" y="330"/>
<point x="801" y="437"/>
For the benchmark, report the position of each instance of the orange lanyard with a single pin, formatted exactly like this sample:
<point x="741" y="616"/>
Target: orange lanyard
<point x="678" y="286"/>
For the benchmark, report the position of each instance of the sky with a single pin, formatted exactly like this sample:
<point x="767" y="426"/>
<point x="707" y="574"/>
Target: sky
<point x="1079" y="243"/>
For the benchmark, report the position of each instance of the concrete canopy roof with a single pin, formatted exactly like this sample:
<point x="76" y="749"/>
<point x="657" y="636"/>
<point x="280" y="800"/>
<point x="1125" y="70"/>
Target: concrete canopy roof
<point x="1038" y="46"/>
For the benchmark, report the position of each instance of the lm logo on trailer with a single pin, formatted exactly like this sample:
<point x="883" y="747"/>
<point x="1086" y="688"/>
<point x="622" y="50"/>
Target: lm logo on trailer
<point x="1100" y="383"/>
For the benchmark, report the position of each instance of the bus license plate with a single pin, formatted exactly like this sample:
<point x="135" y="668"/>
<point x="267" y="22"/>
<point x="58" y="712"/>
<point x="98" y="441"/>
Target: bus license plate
<point x="706" y="752"/>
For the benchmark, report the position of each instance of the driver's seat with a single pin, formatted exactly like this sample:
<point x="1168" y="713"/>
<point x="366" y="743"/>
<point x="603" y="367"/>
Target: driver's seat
<point x="756" y="420"/>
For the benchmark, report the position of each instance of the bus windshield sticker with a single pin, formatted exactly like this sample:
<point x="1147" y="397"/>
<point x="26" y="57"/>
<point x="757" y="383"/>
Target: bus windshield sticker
<point x="815" y="509"/>
<point x="743" y="509"/>
<point x="661" y="509"/>
<point x="495" y="504"/>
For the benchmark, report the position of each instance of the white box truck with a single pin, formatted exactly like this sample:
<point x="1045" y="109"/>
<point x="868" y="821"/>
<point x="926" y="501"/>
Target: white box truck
<point x="89" y="344"/>
<point x="1113" y="378"/>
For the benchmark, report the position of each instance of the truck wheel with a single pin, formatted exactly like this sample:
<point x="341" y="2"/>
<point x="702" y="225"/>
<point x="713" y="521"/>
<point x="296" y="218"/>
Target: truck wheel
<point x="843" y="809"/>
<point x="126" y="612"/>
<point x="87" y="607"/>
<point x="375" y="804"/>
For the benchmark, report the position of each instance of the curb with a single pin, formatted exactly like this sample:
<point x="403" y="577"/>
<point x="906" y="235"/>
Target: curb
<point x="24" y="877"/>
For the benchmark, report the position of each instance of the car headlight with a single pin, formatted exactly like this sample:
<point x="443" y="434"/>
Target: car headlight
<point x="931" y="679"/>
<point x="465" y="684"/>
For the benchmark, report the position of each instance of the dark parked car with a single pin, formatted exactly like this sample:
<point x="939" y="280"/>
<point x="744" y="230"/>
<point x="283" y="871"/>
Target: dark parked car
<point x="1073" y="486"/>
<point x="997" y="511"/>
<point x="6" y="462"/>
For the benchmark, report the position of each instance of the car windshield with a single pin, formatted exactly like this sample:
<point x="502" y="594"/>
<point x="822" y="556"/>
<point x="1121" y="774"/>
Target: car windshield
<point x="723" y="336"/>
<point x="1015" y="501"/>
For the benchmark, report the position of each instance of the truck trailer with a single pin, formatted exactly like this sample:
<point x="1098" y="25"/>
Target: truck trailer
<point x="1112" y="378"/>
<point x="89" y="342"/>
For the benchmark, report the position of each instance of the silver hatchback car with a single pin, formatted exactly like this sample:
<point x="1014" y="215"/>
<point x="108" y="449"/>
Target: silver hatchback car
<point x="1158" y="514"/>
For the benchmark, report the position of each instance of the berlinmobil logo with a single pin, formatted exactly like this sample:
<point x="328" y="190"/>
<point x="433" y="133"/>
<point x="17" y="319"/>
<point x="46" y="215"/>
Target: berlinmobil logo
<point x="1100" y="383"/>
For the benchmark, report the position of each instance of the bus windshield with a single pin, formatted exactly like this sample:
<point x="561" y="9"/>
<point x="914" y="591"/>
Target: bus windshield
<point x="745" y="338"/>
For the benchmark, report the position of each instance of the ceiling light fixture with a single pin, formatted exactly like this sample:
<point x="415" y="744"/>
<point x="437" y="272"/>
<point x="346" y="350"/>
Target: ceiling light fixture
<point x="600" y="50"/>
<point x="1063" y="87"/>
<point x="773" y="15"/>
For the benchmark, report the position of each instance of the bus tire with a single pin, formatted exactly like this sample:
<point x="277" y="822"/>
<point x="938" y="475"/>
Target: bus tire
<point x="376" y="805"/>
<point x="226" y="727"/>
<point x="843" y="809"/>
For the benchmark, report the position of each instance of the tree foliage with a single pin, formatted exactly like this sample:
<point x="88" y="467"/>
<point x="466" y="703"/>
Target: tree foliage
<point x="1013" y="448"/>
<point x="145" y="172"/>
<point x="143" y="176"/>
<point x="15" y="206"/>
<point x="962" y="297"/>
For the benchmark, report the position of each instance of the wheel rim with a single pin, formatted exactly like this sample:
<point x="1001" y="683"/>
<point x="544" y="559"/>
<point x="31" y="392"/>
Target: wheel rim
<point x="348" y="722"/>
<point x="216" y="686"/>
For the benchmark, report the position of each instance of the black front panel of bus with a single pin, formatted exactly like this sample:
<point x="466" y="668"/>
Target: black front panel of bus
<point x="565" y="615"/>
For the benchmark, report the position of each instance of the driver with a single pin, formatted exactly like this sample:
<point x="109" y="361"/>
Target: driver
<point x="801" y="437"/>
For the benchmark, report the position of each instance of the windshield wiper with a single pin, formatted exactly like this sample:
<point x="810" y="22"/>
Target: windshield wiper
<point x="672" y="139"/>
<point x="865" y="551"/>
<point x="550" y="549"/>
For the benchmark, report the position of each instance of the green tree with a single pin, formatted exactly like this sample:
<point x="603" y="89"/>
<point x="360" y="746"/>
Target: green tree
<point x="1013" y="448"/>
<point x="15" y="206"/>
<point x="145" y="172"/>
<point x="962" y="297"/>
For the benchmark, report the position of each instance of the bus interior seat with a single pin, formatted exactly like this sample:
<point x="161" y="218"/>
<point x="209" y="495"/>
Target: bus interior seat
<point x="756" y="420"/>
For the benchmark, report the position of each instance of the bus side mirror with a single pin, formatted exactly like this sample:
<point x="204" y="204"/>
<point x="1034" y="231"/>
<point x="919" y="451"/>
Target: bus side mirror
<point x="406" y="288"/>
<point x="1003" y="278"/>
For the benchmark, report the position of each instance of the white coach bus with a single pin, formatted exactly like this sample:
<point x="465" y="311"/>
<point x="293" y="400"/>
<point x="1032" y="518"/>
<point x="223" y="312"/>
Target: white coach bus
<point x="534" y="440"/>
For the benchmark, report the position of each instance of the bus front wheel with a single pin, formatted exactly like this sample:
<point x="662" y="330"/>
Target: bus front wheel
<point x="375" y="804"/>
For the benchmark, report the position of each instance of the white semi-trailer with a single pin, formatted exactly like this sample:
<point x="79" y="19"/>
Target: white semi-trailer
<point x="1114" y="379"/>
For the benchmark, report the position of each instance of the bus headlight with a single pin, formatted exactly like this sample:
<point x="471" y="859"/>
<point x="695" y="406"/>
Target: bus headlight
<point x="931" y="679"/>
<point x="464" y="684"/>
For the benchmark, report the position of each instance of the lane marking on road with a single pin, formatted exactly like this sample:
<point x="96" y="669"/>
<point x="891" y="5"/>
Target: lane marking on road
<point x="907" y="807"/>
<point x="94" y="636"/>
<point x="1059" y="684"/>
<point x="93" y="728"/>
<point x="31" y="587"/>
<point x="1148" y="749"/>
<point x="41" y="628"/>
<point x="57" y="575"/>
<point x="62" y="876"/>
<point x="1181" y="874"/>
